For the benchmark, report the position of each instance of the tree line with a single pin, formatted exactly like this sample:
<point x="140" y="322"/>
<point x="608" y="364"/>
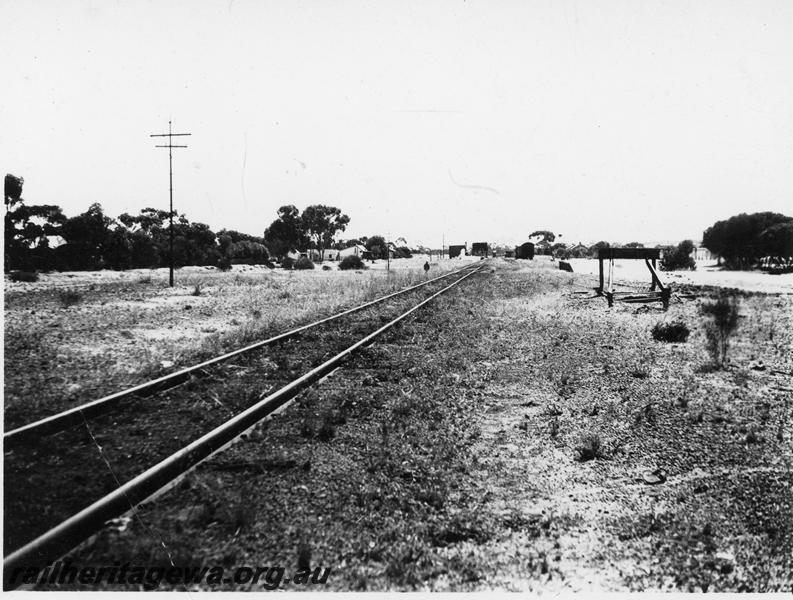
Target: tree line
<point x="93" y="240"/>
<point x="317" y="229"/>
<point x="740" y="242"/>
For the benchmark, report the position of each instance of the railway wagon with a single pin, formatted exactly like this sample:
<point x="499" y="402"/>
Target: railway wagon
<point x="457" y="250"/>
<point x="525" y="251"/>
<point x="480" y="249"/>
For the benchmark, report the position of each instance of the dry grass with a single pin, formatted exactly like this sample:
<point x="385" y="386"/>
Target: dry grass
<point x="117" y="333"/>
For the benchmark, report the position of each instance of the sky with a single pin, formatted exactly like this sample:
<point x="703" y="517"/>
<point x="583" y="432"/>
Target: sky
<point x="455" y="121"/>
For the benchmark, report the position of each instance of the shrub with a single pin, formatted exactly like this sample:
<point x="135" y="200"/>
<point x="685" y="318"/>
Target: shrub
<point x="674" y="331"/>
<point x="224" y="263"/>
<point x="589" y="447"/>
<point x="24" y="276"/>
<point x="351" y="262"/>
<point x="679" y="258"/>
<point x="723" y="321"/>
<point x="304" y="263"/>
<point x="403" y="252"/>
<point x="288" y="263"/>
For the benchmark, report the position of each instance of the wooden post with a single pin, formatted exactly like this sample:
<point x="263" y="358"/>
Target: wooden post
<point x="600" y="268"/>
<point x="611" y="276"/>
<point x="652" y="280"/>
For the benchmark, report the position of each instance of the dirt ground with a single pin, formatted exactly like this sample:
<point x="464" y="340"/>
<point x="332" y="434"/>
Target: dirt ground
<point x="517" y="436"/>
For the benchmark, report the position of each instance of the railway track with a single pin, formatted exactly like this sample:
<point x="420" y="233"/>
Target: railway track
<point x="75" y="416"/>
<point x="117" y="433"/>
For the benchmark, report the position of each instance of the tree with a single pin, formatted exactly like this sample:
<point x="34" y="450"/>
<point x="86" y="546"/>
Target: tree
<point x="377" y="246"/>
<point x="634" y="245"/>
<point x="193" y="243"/>
<point x="87" y="238"/>
<point x="13" y="190"/>
<point x="593" y="249"/>
<point x="241" y="248"/>
<point x="286" y="232"/>
<point x="249" y="253"/>
<point x="559" y="250"/>
<point x="149" y="220"/>
<point x="142" y="241"/>
<point x="237" y="236"/>
<point x="403" y="252"/>
<point x="678" y="258"/>
<point x="321" y="223"/>
<point x="27" y="228"/>
<point x="777" y="240"/>
<point x="133" y="241"/>
<point x="546" y="236"/>
<point x="738" y="240"/>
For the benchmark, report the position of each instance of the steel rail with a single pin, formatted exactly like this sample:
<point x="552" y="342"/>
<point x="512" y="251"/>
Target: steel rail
<point x="56" y="542"/>
<point x="78" y="414"/>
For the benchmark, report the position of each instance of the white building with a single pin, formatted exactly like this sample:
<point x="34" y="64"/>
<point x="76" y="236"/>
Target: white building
<point x="356" y="250"/>
<point x="702" y="253"/>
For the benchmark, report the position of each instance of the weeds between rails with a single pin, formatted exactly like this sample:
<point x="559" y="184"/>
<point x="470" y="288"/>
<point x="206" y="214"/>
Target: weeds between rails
<point x="131" y="447"/>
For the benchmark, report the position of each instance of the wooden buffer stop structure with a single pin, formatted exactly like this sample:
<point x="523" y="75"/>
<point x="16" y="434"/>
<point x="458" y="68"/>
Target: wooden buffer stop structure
<point x="650" y="256"/>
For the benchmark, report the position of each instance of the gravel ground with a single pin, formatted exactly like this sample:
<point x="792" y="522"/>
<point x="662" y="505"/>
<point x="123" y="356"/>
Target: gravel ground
<point x="515" y="436"/>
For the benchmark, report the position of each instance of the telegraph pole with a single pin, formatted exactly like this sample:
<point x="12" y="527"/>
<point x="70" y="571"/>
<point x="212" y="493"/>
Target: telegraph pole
<point x="170" y="147"/>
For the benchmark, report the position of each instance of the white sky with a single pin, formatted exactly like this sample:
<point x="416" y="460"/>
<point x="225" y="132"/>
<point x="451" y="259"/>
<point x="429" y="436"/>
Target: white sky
<point x="634" y="120"/>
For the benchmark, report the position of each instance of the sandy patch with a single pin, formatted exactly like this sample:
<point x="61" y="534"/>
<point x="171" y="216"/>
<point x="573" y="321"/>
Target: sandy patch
<point x="707" y="274"/>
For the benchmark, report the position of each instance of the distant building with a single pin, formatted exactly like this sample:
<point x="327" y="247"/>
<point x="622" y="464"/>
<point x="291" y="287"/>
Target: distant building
<point x="356" y="250"/>
<point x="702" y="253"/>
<point x="455" y="251"/>
<point x="579" y="250"/>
